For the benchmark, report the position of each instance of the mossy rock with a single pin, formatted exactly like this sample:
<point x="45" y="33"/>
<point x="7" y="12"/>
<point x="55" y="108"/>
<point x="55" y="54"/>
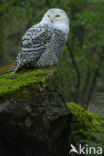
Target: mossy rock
<point x="32" y="110"/>
<point x="86" y="127"/>
<point x="12" y="84"/>
<point x="4" y="69"/>
<point x="34" y="115"/>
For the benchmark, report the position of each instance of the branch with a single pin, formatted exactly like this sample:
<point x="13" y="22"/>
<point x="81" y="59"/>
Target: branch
<point x="94" y="80"/>
<point x="75" y="66"/>
<point x="48" y="3"/>
<point x="87" y="80"/>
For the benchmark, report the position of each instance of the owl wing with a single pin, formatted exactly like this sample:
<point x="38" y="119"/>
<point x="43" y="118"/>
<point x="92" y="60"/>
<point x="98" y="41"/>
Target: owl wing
<point x="34" y="43"/>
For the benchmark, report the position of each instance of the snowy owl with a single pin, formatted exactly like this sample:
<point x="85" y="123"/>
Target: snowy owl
<point x="43" y="43"/>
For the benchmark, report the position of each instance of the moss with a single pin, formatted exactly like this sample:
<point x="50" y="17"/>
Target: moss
<point x="5" y="69"/>
<point x="86" y="125"/>
<point x="13" y="83"/>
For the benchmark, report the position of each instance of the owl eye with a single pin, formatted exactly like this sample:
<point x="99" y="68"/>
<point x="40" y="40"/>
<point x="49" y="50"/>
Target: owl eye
<point x="57" y="15"/>
<point x="48" y="15"/>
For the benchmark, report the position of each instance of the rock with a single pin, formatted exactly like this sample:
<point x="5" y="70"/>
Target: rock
<point x="87" y="129"/>
<point x="34" y="117"/>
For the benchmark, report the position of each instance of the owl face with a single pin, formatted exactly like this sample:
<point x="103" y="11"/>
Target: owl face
<point x="56" y="16"/>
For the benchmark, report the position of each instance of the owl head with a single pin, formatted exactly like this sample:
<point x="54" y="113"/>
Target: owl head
<point x="57" y="18"/>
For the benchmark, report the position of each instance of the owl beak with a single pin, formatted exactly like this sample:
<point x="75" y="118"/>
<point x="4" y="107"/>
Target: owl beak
<point x="51" y="20"/>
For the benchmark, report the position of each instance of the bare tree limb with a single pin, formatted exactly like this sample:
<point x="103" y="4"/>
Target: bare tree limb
<point x="48" y="3"/>
<point x="87" y="80"/>
<point x="94" y="79"/>
<point x="75" y="66"/>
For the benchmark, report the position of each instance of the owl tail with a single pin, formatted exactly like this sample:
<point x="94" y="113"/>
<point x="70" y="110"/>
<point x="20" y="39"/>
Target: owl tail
<point x="14" y="68"/>
<point x="17" y="64"/>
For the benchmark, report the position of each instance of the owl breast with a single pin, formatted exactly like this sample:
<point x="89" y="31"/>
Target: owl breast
<point x="53" y="50"/>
